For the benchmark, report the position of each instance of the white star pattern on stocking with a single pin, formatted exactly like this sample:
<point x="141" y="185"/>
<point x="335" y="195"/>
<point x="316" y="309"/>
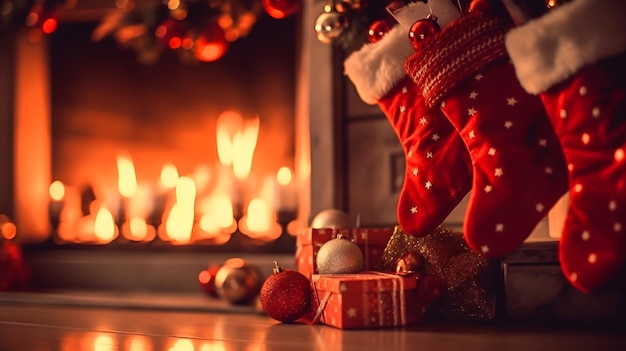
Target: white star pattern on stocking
<point x="471" y="134"/>
<point x="484" y="249"/>
<point x="612" y="205"/>
<point x="548" y="170"/>
<point x="492" y="151"/>
<point x="617" y="227"/>
<point x="429" y="155"/>
<point x="473" y="95"/>
<point x="563" y="114"/>
<point x="415" y="172"/>
<point x="478" y="76"/>
<point x="582" y="90"/>
<point x="539" y="207"/>
<point x="511" y="101"/>
<point x="543" y="142"/>
<point x="428" y="184"/>
<point x="471" y="111"/>
<point x="402" y="109"/>
<point x="404" y="90"/>
<point x="585" y="235"/>
<point x="508" y="124"/>
<point x="499" y="227"/>
<point x="498" y="172"/>
<point x="413" y="210"/>
<point x="488" y="188"/>
<point x="435" y="137"/>
<point x="423" y="120"/>
<point x="595" y="112"/>
<point x="592" y="258"/>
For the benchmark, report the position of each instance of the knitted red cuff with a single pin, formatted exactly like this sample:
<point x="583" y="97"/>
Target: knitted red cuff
<point x="460" y="49"/>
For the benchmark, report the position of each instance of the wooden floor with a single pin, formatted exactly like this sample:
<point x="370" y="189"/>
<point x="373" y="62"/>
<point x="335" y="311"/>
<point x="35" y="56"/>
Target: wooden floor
<point x="72" y="328"/>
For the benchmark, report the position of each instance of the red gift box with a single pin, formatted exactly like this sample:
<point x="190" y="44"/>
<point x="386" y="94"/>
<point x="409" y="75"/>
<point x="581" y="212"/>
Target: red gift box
<point x="367" y="300"/>
<point x="371" y="241"/>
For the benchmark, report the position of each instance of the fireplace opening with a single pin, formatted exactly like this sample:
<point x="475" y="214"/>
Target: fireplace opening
<point x="169" y="155"/>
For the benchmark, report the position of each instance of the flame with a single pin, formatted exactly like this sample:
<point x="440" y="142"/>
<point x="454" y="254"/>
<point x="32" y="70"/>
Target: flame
<point x="182" y="345"/>
<point x="236" y="141"/>
<point x="179" y="223"/>
<point x="284" y="175"/>
<point x="244" y="144"/>
<point x="57" y="190"/>
<point x="169" y="176"/>
<point x="137" y="229"/>
<point x="258" y="219"/>
<point x="127" y="180"/>
<point x="218" y="216"/>
<point x="228" y="123"/>
<point x="104" y="225"/>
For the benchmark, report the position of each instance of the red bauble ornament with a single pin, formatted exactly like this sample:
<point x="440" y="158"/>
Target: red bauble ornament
<point x="286" y="295"/>
<point x="212" y="44"/>
<point x="281" y="8"/>
<point x="422" y="29"/>
<point x="13" y="271"/>
<point x="479" y="6"/>
<point x="377" y="30"/>
<point x="206" y="280"/>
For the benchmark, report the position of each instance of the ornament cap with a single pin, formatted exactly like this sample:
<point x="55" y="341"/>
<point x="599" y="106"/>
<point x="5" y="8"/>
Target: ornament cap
<point x="277" y="269"/>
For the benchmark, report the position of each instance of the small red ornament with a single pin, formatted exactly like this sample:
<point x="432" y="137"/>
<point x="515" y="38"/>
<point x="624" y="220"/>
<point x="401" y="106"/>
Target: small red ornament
<point x="377" y="30"/>
<point x="479" y="6"/>
<point x="13" y="271"/>
<point x="422" y="29"/>
<point x="286" y="295"/>
<point x="281" y="8"/>
<point x="212" y="44"/>
<point x="206" y="280"/>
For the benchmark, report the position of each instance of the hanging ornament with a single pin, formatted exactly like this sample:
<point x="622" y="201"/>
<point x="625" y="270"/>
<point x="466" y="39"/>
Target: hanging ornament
<point x="422" y="29"/>
<point x="285" y="295"/>
<point x="331" y="218"/>
<point x="339" y="256"/>
<point x="238" y="282"/>
<point x="377" y="30"/>
<point x="281" y="8"/>
<point x="410" y="263"/>
<point x="211" y="45"/>
<point x="330" y="25"/>
<point x="13" y="271"/>
<point x="206" y="280"/>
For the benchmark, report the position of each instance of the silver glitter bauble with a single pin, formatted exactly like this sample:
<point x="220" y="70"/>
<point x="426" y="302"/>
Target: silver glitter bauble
<point x="330" y="25"/>
<point x="238" y="282"/>
<point x="339" y="256"/>
<point x="332" y="218"/>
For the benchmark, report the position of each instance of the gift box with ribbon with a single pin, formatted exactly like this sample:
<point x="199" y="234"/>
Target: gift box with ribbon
<point x="367" y="300"/>
<point x="371" y="241"/>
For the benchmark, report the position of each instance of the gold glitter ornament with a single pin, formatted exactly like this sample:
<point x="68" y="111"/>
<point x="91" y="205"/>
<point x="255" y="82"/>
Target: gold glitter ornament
<point x="470" y="295"/>
<point x="339" y="256"/>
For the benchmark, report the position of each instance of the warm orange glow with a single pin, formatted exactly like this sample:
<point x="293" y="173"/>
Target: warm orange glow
<point x="169" y="176"/>
<point x="57" y="190"/>
<point x="244" y="143"/>
<point x="8" y="230"/>
<point x="179" y="223"/>
<point x="259" y="222"/>
<point x="137" y="229"/>
<point x="182" y="345"/>
<point x="137" y="343"/>
<point x="104" y="342"/>
<point x="104" y="225"/>
<point x="284" y="175"/>
<point x="175" y="43"/>
<point x="127" y="180"/>
<point x="218" y="214"/>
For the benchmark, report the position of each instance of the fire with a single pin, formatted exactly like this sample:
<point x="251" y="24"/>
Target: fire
<point x="169" y="176"/>
<point x="104" y="226"/>
<point x="284" y="175"/>
<point x="57" y="190"/>
<point x="179" y="223"/>
<point x="127" y="181"/>
<point x="236" y="141"/>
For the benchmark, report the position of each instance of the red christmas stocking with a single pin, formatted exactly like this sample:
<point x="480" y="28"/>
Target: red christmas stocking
<point x="518" y="166"/>
<point x="438" y="171"/>
<point x="582" y="81"/>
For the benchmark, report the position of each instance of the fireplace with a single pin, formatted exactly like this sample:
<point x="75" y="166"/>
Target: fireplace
<point x="113" y="152"/>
